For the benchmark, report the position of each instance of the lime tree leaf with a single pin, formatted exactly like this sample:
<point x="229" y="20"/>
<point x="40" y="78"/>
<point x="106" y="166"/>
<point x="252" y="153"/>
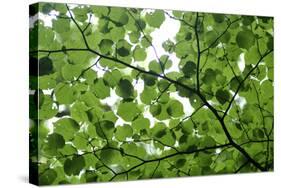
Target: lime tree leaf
<point x="56" y="141"/>
<point x="104" y="129"/>
<point x="148" y="95"/>
<point x="70" y="72"/>
<point x="80" y="142"/>
<point x="45" y="66"/>
<point x="141" y="123"/>
<point x="80" y="13"/>
<point x="125" y="89"/>
<point x="79" y="112"/>
<point x="119" y="15"/>
<point x="155" y="19"/>
<point x="46" y="8"/>
<point x="123" y="48"/>
<point x="245" y="39"/>
<point x="74" y="166"/>
<point x="47" y="109"/>
<point x="222" y="96"/>
<point x="48" y="177"/>
<point x="139" y="54"/>
<point x="180" y="163"/>
<point x="105" y="46"/>
<point x="128" y="111"/>
<point x="66" y="127"/>
<point x="100" y="89"/>
<point x="219" y="18"/>
<point x="155" y="109"/>
<point x="162" y="133"/>
<point x="175" y="108"/>
<point x="189" y="69"/>
<point x="112" y="78"/>
<point x="65" y="94"/>
<point x="109" y="156"/>
<point x="61" y="25"/>
<point x="123" y="132"/>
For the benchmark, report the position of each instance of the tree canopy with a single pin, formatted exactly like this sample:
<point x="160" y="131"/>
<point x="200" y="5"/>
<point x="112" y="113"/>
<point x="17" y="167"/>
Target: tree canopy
<point x="102" y="110"/>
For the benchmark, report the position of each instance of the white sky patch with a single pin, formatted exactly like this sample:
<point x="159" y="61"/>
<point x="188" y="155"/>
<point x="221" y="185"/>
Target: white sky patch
<point x="240" y="101"/>
<point x="168" y="30"/>
<point x="47" y="19"/>
<point x="218" y="150"/>
<point x="50" y="124"/>
<point x="47" y="91"/>
<point x="139" y="86"/>
<point x="209" y="28"/>
<point x="241" y="62"/>
<point x="151" y="149"/>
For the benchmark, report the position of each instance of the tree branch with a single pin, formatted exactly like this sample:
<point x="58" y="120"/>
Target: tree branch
<point x="242" y="82"/>
<point x="221" y="35"/>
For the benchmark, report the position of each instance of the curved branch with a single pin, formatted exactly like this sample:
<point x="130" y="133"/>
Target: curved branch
<point x="221" y="35"/>
<point x="242" y="82"/>
<point x="168" y="156"/>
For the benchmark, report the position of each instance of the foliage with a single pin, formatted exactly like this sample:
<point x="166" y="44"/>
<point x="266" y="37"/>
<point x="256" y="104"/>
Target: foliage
<point x="90" y="54"/>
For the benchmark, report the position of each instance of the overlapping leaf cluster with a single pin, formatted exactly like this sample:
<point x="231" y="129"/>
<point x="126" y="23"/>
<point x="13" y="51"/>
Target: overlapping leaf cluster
<point x="74" y="135"/>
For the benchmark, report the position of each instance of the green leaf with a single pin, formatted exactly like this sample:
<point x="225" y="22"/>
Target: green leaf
<point x="110" y="157"/>
<point x="155" y="109"/>
<point x="74" y="166"/>
<point x="162" y="133"/>
<point x="112" y="78"/>
<point x="80" y="13"/>
<point x="128" y="111"/>
<point x="123" y="48"/>
<point x="180" y="163"/>
<point x="47" y="109"/>
<point x="175" y="108"/>
<point x="71" y="72"/>
<point x="100" y="89"/>
<point x="222" y="96"/>
<point x="56" y="141"/>
<point x="45" y="66"/>
<point x="78" y="112"/>
<point x="148" y="95"/>
<point x="141" y="123"/>
<point x="210" y="38"/>
<point x="80" y="142"/>
<point x="219" y="18"/>
<point x="245" y="39"/>
<point x="139" y="53"/>
<point x="66" y="127"/>
<point x="65" y="94"/>
<point x="123" y="132"/>
<point x="48" y="177"/>
<point x="105" y="46"/>
<point x="134" y="37"/>
<point x="61" y="25"/>
<point x="155" y="19"/>
<point x="119" y="15"/>
<point x="117" y="33"/>
<point x="182" y="48"/>
<point x="46" y="8"/>
<point x="125" y="89"/>
<point x="105" y="129"/>
<point x="189" y="69"/>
